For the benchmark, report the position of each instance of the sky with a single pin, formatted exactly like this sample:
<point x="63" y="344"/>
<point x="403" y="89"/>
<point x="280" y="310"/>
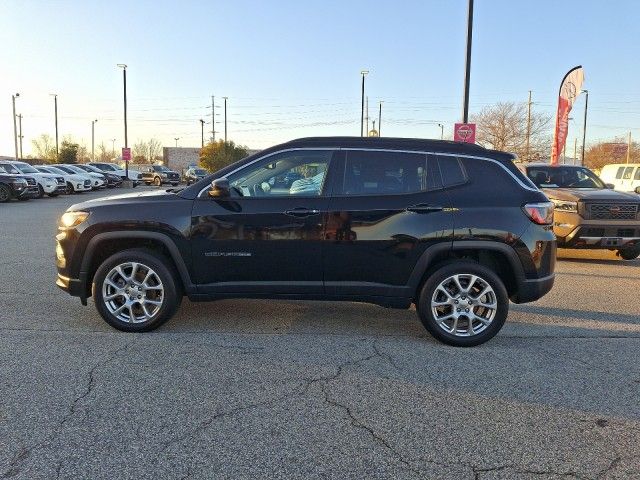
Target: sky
<point x="292" y="68"/>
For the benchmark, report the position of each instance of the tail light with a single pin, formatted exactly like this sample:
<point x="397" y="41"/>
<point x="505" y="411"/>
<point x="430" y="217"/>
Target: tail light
<point x="540" y="213"/>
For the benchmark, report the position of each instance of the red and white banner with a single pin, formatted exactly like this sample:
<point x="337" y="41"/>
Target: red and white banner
<point x="570" y="88"/>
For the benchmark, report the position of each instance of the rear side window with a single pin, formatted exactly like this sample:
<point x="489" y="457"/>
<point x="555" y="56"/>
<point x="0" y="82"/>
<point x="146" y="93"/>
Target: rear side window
<point x="452" y="171"/>
<point x="386" y="173"/>
<point x="637" y="177"/>
<point x="619" y="173"/>
<point x="627" y="173"/>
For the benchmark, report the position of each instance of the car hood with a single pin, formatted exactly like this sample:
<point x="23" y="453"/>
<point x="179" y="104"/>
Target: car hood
<point x="577" y="194"/>
<point x="126" y="198"/>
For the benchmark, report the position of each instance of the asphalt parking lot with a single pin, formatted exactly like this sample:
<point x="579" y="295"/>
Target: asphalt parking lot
<point x="281" y="389"/>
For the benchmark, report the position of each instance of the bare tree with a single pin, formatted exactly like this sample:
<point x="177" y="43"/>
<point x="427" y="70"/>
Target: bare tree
<point x="44" y="147"/>
<point x="139" y="152"/>
<point x="155" y="150"/>
<point x="503" y="126"/>
<point x="612" y="151"/>
<point x="103" y="155"/>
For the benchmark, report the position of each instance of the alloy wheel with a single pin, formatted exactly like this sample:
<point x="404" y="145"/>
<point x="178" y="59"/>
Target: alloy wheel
<point x="464" y="305"/>
<point x="133" y="292"/>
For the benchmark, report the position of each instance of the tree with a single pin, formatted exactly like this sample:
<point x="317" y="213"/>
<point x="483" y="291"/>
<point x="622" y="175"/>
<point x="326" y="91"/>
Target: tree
<point x="44" y="148"/>
<point x="503" y="126"/>
<point x="147" y="151"/>
<point x="139" y="152"/>
<point x="612" y="151"/>
<point x="216" y="155"/>
<point x="103" y="155"/>
<point x="154" y="148"/>
<point x="68" y="152"/>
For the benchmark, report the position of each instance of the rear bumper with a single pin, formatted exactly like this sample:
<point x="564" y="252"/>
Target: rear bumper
<point x="530" y="290"/>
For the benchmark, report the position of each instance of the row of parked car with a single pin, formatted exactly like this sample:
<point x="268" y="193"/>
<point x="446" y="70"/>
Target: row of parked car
<point x="22" y="181"/>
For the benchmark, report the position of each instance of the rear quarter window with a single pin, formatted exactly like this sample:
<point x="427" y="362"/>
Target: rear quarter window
<point x="452" y="171"/>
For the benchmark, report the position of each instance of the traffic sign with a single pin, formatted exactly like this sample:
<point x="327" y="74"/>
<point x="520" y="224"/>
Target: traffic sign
<point x="126" y="154"/>
<point x="464" y="132"/>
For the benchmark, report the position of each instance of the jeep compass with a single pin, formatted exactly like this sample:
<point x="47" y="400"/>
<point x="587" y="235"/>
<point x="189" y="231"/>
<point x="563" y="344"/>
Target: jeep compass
<point x="454" y="229"/>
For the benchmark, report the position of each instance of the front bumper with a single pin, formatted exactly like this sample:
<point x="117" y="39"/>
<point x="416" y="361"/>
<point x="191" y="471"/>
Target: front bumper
<point x="73" y="286"/>
<point x="29" y="192"/>
<point x="573" y="231"/>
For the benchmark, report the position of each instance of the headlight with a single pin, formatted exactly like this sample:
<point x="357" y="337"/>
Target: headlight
<point x="73" y="219"/>
<point x="51" y="179"/>
<point x="163" y="175"/>
<point x="565" y="206"/>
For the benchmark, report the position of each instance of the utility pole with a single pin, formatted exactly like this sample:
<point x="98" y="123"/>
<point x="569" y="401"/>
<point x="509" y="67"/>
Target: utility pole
<point x="528" y="127"/>
<point x="441" y="131"/>
<point x="20" y="136"/>
<point x="364" y="74"/>
<point x="202" y="132"/>
<point x="15" y="128"/>
<point x="367" y="114"/>
<point x="55" y="111"/>
<point x="93" y="139"/>
<point x="380" y="119"/>
<point x="467" y="70"/>
<point x="126" y="138"/>
<point x="113" y="147"/>
<point x="225" y="119"/>
<point x="629" y="147"/>
<point x="584" y="126"/>
<point x="213" y="119"/>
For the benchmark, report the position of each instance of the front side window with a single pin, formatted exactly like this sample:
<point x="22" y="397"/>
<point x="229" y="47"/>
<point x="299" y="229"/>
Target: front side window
<point x="619" y="173"/>
<point x="300" y="173"/>
<point x="10" y="169"/>
<point x="385" y="173"/>
<point x="26" y="168"/>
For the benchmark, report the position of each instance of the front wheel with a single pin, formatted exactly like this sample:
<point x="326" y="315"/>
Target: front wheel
<point x="136" y="290"/>
<point x="463" y="304"/>
<point x="70" y="188"/>
<point x="40" y="191"/>
<point x="157" y="182"/>
<point x="629" y="253"/>
<point x="5" y="193"/>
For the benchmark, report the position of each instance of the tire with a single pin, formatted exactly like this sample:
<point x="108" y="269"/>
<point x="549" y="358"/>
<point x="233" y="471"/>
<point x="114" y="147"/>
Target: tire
<point x="157" y="182"/>
<point x="454" y="304"/>
<point x="5" y="193"/>
<point x="40" y="191"/>
<point x="52" y="195"/>
<point x="164" y="275"/>
<point x="70" y="188"/>
<point x="147" y="183"/>
<point x="630" y="253"/>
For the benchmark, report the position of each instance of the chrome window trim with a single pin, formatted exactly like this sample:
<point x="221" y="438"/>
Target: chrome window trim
<point x="531" y="187"/>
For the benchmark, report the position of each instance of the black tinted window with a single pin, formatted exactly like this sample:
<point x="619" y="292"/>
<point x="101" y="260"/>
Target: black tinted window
<point x="452" y="171"/>
<point x="385" y="173"/>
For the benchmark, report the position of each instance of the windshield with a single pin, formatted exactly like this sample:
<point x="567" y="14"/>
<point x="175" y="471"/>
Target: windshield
<point x="8" y="168"/>
<point x="26" y="168"/>
<point x="104" y="167"/>
<point x="56" y="170"/>
<point x="64" y="169"/>
<point x="161" y="168"/>
<point x="199" y="171"/>
<point x="564" y="177"/>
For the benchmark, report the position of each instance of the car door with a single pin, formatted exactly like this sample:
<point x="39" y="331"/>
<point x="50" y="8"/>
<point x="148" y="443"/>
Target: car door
<point x="266" y="238"/>
<point x="387" y="209"/>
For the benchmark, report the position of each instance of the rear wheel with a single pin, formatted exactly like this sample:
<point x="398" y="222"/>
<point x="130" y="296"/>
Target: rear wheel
<point x="136" y="290"/>
<point x="5" y="193"/>
<point x="629" y="253"/>
<point x="463" y="304"/>
<point x="40" y="191"/>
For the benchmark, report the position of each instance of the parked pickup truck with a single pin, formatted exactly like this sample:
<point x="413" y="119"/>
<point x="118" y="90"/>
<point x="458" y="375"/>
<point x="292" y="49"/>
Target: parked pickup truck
<point x="159" y="175"/>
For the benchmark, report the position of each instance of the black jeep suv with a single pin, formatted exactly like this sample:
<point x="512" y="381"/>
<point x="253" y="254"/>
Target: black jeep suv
<point x="455" y="229"/>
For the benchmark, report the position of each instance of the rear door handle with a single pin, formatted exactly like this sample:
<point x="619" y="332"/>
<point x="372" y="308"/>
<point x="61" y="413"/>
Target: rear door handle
<point x="424" y="208"/>
<point x="301" y="212"/>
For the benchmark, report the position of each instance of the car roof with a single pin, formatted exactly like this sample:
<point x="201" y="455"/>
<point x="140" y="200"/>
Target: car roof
<point x="542" y="164"/>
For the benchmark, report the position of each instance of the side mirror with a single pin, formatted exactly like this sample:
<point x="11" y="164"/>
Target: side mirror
<point x="610" y="186"/>
<point x="220" y="188"/>
<point x="638" y="190"/>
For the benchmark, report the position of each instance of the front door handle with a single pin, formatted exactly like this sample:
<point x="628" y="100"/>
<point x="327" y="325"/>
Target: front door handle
<point x="301" y="212"/>
<point x="424" y="208"/>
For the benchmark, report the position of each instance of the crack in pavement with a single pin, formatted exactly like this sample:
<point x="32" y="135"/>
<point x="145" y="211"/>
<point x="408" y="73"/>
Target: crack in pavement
<point x="25" y="452"/>
<point x="477" y="472"/>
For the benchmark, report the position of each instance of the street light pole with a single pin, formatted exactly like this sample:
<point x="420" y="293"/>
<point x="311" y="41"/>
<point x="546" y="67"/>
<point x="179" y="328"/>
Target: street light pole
<point x="380" y="119"/>
<point x="202" y="132"/>
<point x="225" y="119"/>
<point x="93" y="156"/>
<point x="176" y="139"/>
<point x="364" y="74"/>
<point x="20" y="136"/>
<point x="55" y="112"/>
<point x="467" y="73"/>
<point x="584" y="126"/>
<point x="15" y="128"/>
<point x="528" y="127"/>
<point x="113" y="147"/>
<point x="126" y="138"/>
<point x="441" y="131"/>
